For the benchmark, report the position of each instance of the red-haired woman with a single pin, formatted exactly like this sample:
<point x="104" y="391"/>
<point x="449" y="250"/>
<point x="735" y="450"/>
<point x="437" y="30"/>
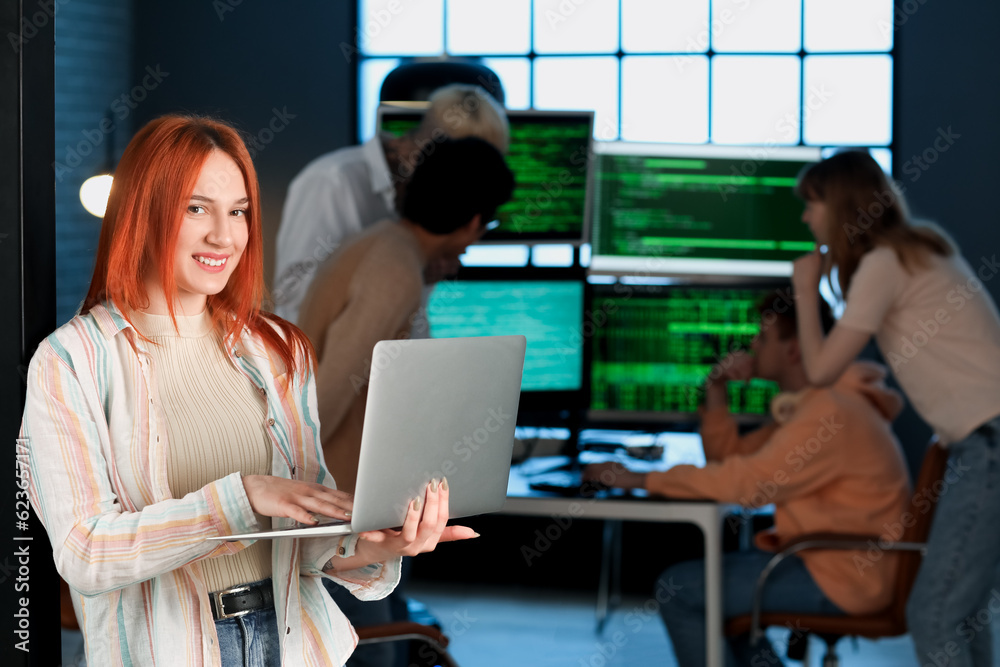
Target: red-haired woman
<point x="171" y="409"/>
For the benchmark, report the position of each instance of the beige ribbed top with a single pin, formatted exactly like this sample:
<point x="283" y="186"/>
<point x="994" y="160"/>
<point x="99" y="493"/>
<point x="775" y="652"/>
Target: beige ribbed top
<point x="215" y="426"/>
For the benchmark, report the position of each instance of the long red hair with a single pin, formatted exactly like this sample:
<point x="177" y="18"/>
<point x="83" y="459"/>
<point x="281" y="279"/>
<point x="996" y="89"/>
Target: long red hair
<point x="153" y="184"/>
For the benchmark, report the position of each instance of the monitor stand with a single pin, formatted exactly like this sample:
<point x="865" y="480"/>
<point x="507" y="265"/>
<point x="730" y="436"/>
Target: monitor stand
<point x="571" y="448"/>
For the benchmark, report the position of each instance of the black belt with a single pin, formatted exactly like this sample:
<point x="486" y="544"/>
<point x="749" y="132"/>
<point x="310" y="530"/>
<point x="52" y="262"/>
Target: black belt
<point x="240" y="600"/>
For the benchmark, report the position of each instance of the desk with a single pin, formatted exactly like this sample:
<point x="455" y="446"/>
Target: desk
<point x="708" y="516"/>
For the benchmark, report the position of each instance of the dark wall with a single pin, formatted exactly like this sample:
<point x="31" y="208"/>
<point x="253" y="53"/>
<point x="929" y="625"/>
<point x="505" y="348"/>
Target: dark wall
<point x="947" y="139"/>
<point x="29" y="593"/>
<point x="948" y="83"/>
<point x="93" y="74"/>
<point x="276" y="70"/>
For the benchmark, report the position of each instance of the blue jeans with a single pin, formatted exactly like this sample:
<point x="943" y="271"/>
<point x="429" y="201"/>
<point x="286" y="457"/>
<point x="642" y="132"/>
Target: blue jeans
<point x="360" y="614"/>
<point x="790" y="587"/>
<point x="250" y="640"/>
<point x="953" y="594"/>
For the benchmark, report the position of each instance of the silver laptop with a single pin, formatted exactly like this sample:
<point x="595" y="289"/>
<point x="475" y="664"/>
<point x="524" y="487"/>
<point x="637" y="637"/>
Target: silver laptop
<point x="436" y="408"/>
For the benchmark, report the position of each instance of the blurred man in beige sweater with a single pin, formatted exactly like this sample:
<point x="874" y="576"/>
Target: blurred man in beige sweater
<point x="371" y="288"/>
<point x="345" y="192"/>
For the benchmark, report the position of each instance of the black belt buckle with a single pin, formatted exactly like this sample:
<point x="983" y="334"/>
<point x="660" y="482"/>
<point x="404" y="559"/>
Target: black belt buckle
<point x="241" y="600"/>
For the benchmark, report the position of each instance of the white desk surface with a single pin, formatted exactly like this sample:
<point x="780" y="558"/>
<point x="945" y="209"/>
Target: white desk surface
<point x="707" y="515"/>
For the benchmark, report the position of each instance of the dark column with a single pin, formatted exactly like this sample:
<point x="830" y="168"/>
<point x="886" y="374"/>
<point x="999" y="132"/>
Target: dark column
<point x="28" y="582"/>
<point x="946" y="139"/>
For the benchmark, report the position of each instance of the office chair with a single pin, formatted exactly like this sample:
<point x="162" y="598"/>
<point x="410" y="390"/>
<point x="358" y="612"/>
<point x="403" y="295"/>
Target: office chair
<point x="434" y="642"/>
<point x="414" y="81"/>
<point x="891" y="621"/>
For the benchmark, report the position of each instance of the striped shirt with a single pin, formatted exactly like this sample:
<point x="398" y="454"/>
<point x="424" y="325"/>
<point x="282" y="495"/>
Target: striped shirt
<point x="97" y="450"/>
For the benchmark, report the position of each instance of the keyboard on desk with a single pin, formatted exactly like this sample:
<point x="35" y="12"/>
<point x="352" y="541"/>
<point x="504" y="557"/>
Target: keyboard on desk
<point x="567" y="483"/>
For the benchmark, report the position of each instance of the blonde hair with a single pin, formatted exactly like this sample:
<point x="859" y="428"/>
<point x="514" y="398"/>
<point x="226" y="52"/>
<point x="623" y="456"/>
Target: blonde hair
<point x="865" y="210"/>
<point x="462" y="110"/>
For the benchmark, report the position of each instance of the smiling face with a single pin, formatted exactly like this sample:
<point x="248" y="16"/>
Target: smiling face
<point x="212" y="236"/>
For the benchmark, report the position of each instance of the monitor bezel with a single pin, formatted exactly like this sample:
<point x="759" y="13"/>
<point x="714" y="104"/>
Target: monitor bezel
<point x="541" y="401"/>
<point x="498" y="237"/>
<point x="646" y="419"/>
<point x="707" y="269"/>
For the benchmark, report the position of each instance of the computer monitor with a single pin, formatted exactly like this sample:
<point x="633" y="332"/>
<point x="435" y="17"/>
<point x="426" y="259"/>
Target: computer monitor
<point x="550" y="156"/>
<point x="655" y="344"/>
<point x="544" y="305"/>
<point x="698" y="210"/>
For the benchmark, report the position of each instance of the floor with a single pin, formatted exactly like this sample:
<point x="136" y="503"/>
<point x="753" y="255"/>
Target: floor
<point x="501" y="627"/>
<point x="494" y="627"/>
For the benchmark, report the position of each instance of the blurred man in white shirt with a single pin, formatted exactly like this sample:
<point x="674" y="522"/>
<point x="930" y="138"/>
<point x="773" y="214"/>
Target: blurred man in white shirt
<point x="344" y="192"/>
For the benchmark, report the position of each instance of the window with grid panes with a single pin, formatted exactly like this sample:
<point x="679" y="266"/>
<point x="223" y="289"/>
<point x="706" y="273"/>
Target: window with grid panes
<point x="762" y="72"/>
<point x="750" y="72"/>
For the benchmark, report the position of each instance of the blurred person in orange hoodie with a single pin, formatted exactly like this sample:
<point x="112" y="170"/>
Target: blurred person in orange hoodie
<point x="828" y="461"/>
